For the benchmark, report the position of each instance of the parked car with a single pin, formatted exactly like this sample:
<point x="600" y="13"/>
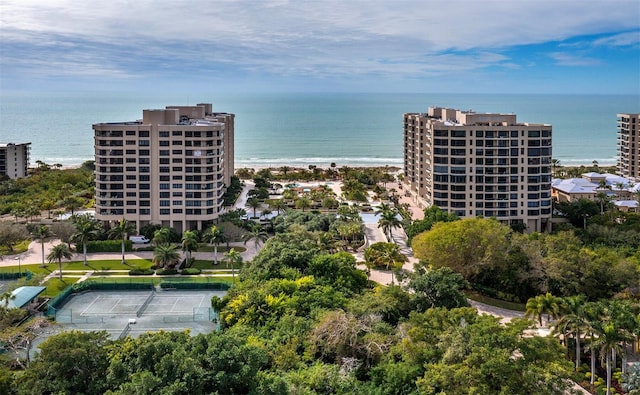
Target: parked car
<point x="139" y="239"/>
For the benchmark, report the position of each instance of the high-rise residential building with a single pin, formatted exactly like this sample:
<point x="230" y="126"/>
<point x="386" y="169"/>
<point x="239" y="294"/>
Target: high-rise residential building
<point x="171" y="168"/>
<point x="629" y="145"/>
<point x="477" y="164"/>
<point x="14" y="159"/>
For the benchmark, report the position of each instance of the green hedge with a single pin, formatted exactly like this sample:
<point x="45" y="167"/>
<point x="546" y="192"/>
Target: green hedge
<point x="193" y="285"/>
<point x="166" y="272"/>
<point x="191" y="271"/>
<point x="141" y="272"/>
<point x="108" y="246"/>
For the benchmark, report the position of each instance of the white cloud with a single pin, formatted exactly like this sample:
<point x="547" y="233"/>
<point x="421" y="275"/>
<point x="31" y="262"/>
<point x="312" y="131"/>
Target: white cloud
<point x="566" y="59"/>
<point x="299" y="37"/>
<point x="620" y="40"/>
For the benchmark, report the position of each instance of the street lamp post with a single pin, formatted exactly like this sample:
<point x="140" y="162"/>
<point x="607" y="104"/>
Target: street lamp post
<point x="19" y="267"/>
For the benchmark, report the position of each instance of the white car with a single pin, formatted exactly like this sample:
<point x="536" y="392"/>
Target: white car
<point x="139" y="239"/>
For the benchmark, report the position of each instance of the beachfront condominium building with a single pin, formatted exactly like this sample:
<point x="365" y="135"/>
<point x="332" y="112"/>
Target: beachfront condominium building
<point x="14" y="159"/>
<point x="171" y="168"/>
<point x="476" y="164"/>
<point x="629" y="145"/>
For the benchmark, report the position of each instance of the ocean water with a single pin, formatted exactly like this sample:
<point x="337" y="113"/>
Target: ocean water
<point x="307" y="128"/>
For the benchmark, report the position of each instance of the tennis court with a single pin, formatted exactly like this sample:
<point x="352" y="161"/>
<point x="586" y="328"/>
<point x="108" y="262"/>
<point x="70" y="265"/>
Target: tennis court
<point x="123" y="313"/>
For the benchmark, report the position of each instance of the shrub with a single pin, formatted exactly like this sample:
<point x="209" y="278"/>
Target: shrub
<point x="166" y="272"/>
<point x="81" y="286"/>
<point x="108" y="246"/>
<point x="141" y="272"/>
<point x="191" y="271"/>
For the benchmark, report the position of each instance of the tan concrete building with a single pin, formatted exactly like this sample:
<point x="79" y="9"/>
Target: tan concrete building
<point x="629" y="145"/>
<point x="476" y="164"/>
<point x="14" y="159"/>
<point x="170" y="168"/>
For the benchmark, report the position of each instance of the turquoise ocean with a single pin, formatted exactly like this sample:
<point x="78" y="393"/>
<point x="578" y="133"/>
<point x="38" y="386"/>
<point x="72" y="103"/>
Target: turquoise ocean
<point x="300" y="129"/>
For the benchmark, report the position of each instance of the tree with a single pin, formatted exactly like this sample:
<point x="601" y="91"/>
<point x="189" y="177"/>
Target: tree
<point x="608" y="341"/>
<point x="257" y="234"/>
<point x="58" y="253"/>
<point x="71" y="362"/>
<point x="577" y="212"/>
<point x="122" y="230"/>
<point x="603" y="200"/>
<point x="440" y="287"/>
<point x="303" y="203"/>
<point x="189" y="243"/>
<point x="233" y="258"/>
<point x="64" y="230"/>
<point x="388" y="220"/>
<point x="573" y="320"/>
<point x="385" y="255"/>
<point x="42" y="233"/>
<point x="214" y="236"/>
<point x="86" y="230"/>
<point x="255" y="204"/>
<point x="165" y="255"/>
<point x="543" y="304"/>
<point x="11" y="234"/>
<point x="72" y="203"/>
<point x="161" y="236"/>
<point x="339" y="271"/>
<point x="468" y="246"/>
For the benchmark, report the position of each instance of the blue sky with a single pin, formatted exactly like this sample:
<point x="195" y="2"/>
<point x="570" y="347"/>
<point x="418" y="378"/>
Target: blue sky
<point x="506" y="46"/>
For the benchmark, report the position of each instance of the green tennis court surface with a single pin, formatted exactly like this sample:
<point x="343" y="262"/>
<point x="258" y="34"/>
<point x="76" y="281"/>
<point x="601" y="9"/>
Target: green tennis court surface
<point x="123" y="313"/>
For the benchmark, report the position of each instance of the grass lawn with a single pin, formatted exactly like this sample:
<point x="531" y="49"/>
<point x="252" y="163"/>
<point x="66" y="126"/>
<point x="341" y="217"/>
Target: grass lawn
<point x="101" y="265"/>
<point x="208" y="265"/>
<point x="158" y="279"/>
<point x="495" y="302"/>
<point x="18" y="248"/>
<point x="55" y="286"/>
<point x="125" y="280"/>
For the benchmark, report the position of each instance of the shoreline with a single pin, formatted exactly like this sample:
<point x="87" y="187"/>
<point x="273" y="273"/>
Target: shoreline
<point x="297" y="163"/>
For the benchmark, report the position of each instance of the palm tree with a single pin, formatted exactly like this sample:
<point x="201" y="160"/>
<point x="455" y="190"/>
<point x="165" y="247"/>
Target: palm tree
<point x="384" y="254"/>
<point x="284" y="170"/>
<point x="189" y="243"/>
<point x="162" y="236"/>
<point x="121" y="231"/>
<point x="255" y="204"/>
<point x="388" y="220"/>
<point x="165" y="255"/>
<point x="214" y="236"/>
<point x="265" y="213"/>
<point x="603" y="199"/>
<point x="543" y="304"/>
<point x="86" y="230"/>
<point x="257" y="234"/>
<point x="534" y="308"/>
<point x="42" y="233"/>
<point x="572" y="320"/>
<point x="58" y="253"/>
<point x="609" y="341"/>
<point x="233" y="258"/>
<point x="303" y="203"/>
<point x="279" y="205"/>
